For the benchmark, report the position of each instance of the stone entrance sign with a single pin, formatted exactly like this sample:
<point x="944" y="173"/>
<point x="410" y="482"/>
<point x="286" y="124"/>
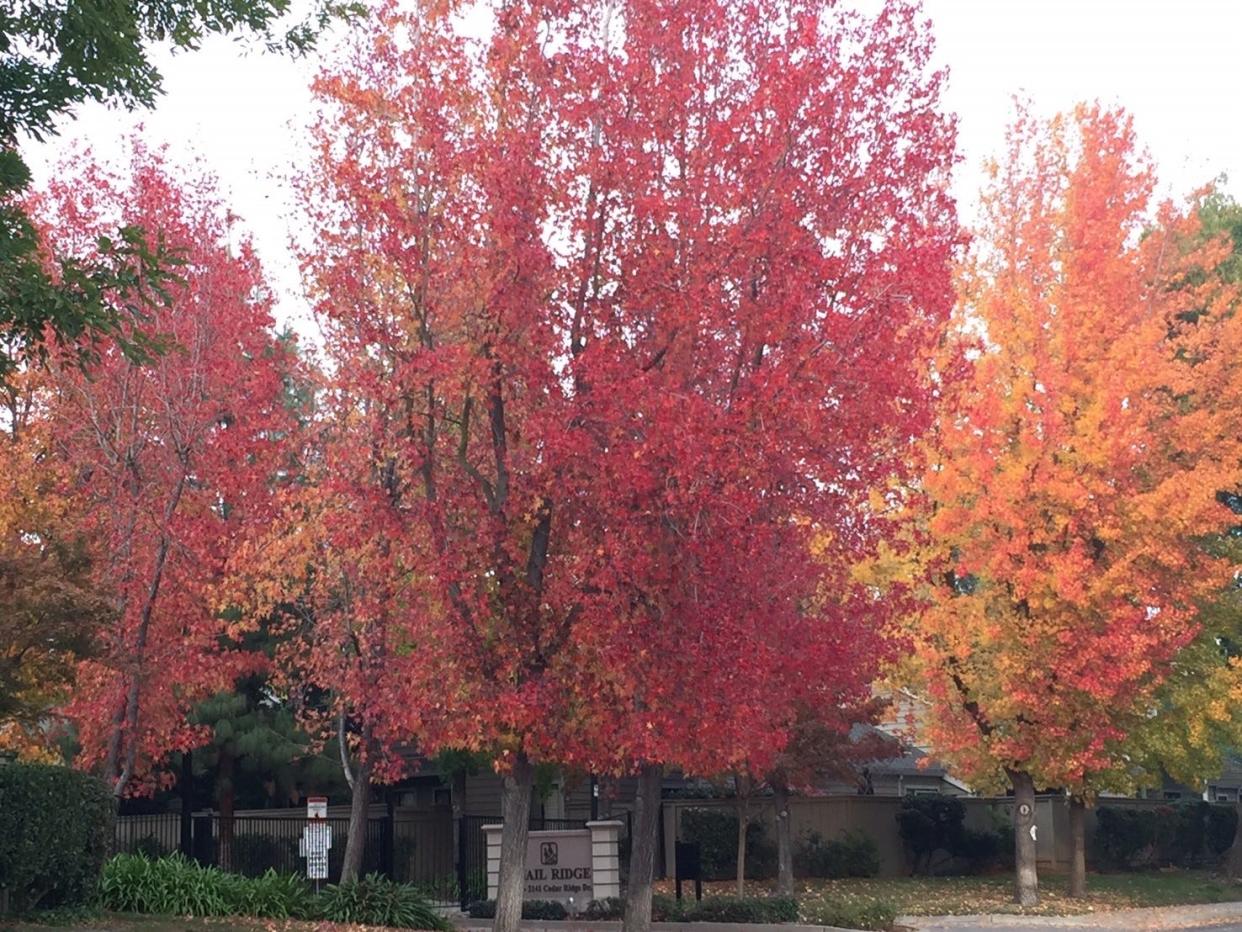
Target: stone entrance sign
<point x="558" y="866"/>
<point x="572" y="867"/>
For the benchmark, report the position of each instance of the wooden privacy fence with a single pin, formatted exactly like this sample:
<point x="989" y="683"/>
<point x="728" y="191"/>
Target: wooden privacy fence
<point x="876" y="818"/>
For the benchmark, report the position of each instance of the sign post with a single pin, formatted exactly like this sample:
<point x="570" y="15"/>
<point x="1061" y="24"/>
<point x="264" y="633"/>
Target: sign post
<point x="316" y="839"/>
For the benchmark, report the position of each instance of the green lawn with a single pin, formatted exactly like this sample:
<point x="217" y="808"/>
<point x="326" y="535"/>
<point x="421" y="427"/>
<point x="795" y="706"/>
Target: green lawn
<point x="917" y="896"/>
<point x="128" y="923"/>
<point x="934" y="896"/>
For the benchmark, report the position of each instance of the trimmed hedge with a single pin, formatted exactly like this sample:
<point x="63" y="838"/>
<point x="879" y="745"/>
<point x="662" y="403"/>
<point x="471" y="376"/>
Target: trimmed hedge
<point x="928" y="824"/>
<point x="56" y="827"/>
<point x="715" y="832"/>
<point x="180" y="887"/>
<point x="531" y="910"/>
<point x="879" y="914"/>
<point x="851" y="855"/>
<point x="1184" y="834"/>
<point x="664" y="908"/>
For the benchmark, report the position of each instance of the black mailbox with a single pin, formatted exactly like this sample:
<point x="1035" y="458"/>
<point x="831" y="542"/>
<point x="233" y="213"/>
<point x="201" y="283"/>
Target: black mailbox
<point x="689" y="866"/>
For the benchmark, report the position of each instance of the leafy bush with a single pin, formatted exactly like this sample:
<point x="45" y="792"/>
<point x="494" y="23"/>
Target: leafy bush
<point x="1222" y="824"/>
<point x="56" y="827"/>
<point x="150" y="846"/>
<point x="134" y="883"/>
<point x="664" y="908"/>
<point x="715" y="832"/>
<point x="180" y="887"/>
<point x="877" y="914"/>
<point x="274" y="896"/>
<point x="378" y="901"/>
<point x="531" y="910"/>
<point x="928" y="824"/>
<point x="252" y="854"/>
<point x="852" y="855"/>
<point x="751" y="909"/>
<point x="983" y="848"/>
<point x="1185" y="834"/>
<point x="931" y="824"/>
<point x="610" y="907"/>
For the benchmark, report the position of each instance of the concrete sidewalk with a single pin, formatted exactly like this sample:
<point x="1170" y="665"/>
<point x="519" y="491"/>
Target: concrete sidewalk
<point x="1209" y="916"/>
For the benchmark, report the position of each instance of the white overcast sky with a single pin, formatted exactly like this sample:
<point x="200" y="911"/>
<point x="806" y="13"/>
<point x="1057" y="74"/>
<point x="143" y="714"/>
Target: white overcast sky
<point x="1173" y="65"/>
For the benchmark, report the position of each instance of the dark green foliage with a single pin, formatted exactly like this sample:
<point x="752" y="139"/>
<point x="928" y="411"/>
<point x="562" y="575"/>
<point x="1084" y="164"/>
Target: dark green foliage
<point x="932" y="824"/>
<point x="150" y="847"/>
<point x="611" y="907"/>
<point x="1183" y="835"/>
<point x="877" y="914"/>
<point x="715" y="832"/>
<point x="56" y="826"/>
<point x="751" y="909"/>
<point x="664" y="908"/>
<point x="378" y="901"/>
<point x="928" y="824"/>
<point x="180" y="887"/>
<point x="252" y="855"/>
<point x="531" y="910"/>
<point x="985" y="849"/>
<point x="55" y="55"/>
<point x="851" y="855"/>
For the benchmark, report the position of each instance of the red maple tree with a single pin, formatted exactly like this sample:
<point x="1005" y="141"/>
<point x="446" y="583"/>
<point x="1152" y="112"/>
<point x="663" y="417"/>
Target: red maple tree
<point x="168" y="460"/>
<point x="629" y="307"/>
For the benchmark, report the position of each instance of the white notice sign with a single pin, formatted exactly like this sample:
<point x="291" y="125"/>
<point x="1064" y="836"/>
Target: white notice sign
<point x="314" y="846"/>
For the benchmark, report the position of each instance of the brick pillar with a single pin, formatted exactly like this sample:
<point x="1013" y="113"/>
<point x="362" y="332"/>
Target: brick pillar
<point x="492" y="834"/>
<point x="605" y="858"/>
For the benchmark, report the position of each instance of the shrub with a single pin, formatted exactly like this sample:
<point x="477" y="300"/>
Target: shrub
<point x="1222" y="824"/>
<point x="877" y="914"/>
<point x="715" y="832"/>
<point x="983" y="848"/>
<point x="665" y="908"/>
<point x="275" y="896"/>
<point x="1184" y="835"/>
<point x="134" y="883"/>
<point x="253" y="854"/>
<point x="150" y="846"/>
<point x="750" y="909"/>
<point x="852" y="855"/>
<point x="56" y="827"/>
<point x="531" y="910"/>
<point x="928" y="824"/>
<point x="611" y="907"/>
<point x="378" y="901"/>
<point x="179" y="887"/>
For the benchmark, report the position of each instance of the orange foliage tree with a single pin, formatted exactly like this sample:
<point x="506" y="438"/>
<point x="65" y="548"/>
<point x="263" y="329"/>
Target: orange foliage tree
<point x="1075" y="468"/>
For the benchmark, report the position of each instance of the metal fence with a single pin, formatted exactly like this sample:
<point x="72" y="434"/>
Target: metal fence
<point x="445" y="859"/>
<point x="411" y="848"/>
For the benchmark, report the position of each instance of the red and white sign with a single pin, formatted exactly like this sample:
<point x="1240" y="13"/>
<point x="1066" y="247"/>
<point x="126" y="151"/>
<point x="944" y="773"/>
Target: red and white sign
<point x="316" y="807"/>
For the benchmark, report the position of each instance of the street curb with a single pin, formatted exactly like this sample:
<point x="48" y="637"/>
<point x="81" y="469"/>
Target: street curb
<point x="1149" y="917"/>
<point x="590" y="925"/>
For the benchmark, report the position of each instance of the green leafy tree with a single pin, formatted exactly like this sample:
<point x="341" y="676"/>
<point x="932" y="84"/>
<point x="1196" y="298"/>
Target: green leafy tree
<point x="53" y="56"/>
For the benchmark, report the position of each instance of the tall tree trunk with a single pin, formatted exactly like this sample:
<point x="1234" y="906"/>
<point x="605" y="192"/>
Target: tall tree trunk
<point x="1026" y="892"/>
<point x="515" y="811"/>
<point x="784" y="840"/>
<point x="743" y="820"/>
<point x="457" y="799"/>
<point x="359" y="807"/>
<point x="1078" y="852"/>
<point x="643" y="850"/>
<point x="1233" y="857"/>
<point x="226" y="796"/>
